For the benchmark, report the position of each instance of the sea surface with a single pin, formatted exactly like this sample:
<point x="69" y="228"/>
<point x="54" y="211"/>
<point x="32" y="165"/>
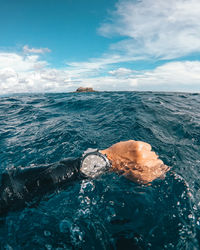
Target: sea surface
<point x="109" y="212"/>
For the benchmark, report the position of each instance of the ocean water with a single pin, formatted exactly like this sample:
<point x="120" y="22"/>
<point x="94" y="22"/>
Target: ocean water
<point x="109" y="212"/>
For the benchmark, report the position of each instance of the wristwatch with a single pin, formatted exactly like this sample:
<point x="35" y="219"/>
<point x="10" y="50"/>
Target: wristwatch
<point x="94" y="163"/>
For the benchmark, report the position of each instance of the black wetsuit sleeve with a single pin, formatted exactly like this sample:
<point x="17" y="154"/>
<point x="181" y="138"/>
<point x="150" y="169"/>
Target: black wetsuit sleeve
<point x="24" y="184"/>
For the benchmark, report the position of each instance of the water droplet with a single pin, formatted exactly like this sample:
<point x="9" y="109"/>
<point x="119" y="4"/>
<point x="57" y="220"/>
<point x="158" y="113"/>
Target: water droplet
<point x="84" y="212"/>
<point x="76" y="234"/>
<point x="48" y="246"/>
<point x="195" y="207"/>
<point x="64" y="226"/>
<point x="87" y="200"/>
<point x="111" y="202"/>
<point x="190" y="216"/>
<point x="47" y="233"/>
<point x="8" y="247"/>
<point x="94" y="202"/>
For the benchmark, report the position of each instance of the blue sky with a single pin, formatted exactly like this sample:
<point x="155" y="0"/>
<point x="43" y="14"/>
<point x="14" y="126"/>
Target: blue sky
<point x="57" y="46"/>
<point x="67" y="27"/>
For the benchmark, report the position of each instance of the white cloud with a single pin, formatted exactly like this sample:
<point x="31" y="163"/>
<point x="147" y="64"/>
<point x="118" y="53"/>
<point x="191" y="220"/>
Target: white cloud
<point x="24" y="74"/>
<point x="120" y="71"/>
<point x="20" y="63"/>
<point x="19" y="74"/>
<point x="28" y="50"/>
<point x="173" y="76"/>
<point x="110" y="83"/>
<point x="97" y="65"/>
<point x="161" y="29"/>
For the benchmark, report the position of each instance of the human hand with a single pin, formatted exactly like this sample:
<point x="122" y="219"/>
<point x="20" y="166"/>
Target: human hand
<point x="136" y="161"/>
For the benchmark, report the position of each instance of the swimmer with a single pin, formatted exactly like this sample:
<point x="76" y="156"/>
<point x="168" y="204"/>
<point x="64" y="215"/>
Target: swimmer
<point x="134" y="160"/>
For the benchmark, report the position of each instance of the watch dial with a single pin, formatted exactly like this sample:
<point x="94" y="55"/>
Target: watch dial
<point x="93" y="165"/>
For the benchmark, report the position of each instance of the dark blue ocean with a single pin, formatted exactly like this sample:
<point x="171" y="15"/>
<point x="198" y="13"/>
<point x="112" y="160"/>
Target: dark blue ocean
<point x="109" y="212"/>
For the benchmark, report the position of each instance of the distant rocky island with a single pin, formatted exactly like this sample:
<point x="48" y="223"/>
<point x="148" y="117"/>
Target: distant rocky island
<point x="85" y="89"/>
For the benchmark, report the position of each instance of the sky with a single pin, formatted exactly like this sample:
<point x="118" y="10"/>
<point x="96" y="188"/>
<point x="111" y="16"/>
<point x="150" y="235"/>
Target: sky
<point x="110" y="45"/>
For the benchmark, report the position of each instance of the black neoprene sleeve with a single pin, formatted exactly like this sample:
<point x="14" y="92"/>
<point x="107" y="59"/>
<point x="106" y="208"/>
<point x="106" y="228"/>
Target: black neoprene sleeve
<point x="22" y="185"/>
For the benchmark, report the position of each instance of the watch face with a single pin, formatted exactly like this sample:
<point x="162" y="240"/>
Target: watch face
<point x="93" y="165"/>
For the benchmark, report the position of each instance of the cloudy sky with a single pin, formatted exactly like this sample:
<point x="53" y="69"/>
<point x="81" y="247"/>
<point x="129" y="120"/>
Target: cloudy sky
<point x="57" y="46"/>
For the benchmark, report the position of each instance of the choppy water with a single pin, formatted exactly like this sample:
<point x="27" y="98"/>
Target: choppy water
<point x="109" y="212"/>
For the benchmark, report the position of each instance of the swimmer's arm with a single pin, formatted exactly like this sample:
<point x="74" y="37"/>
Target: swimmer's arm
<point x="136" y="161"/>
<point x="51" y="174"/>
<point x="22" y="184"/>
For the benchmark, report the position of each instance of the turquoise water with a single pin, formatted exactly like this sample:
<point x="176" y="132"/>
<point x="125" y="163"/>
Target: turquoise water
<point x="109" y="212"/>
